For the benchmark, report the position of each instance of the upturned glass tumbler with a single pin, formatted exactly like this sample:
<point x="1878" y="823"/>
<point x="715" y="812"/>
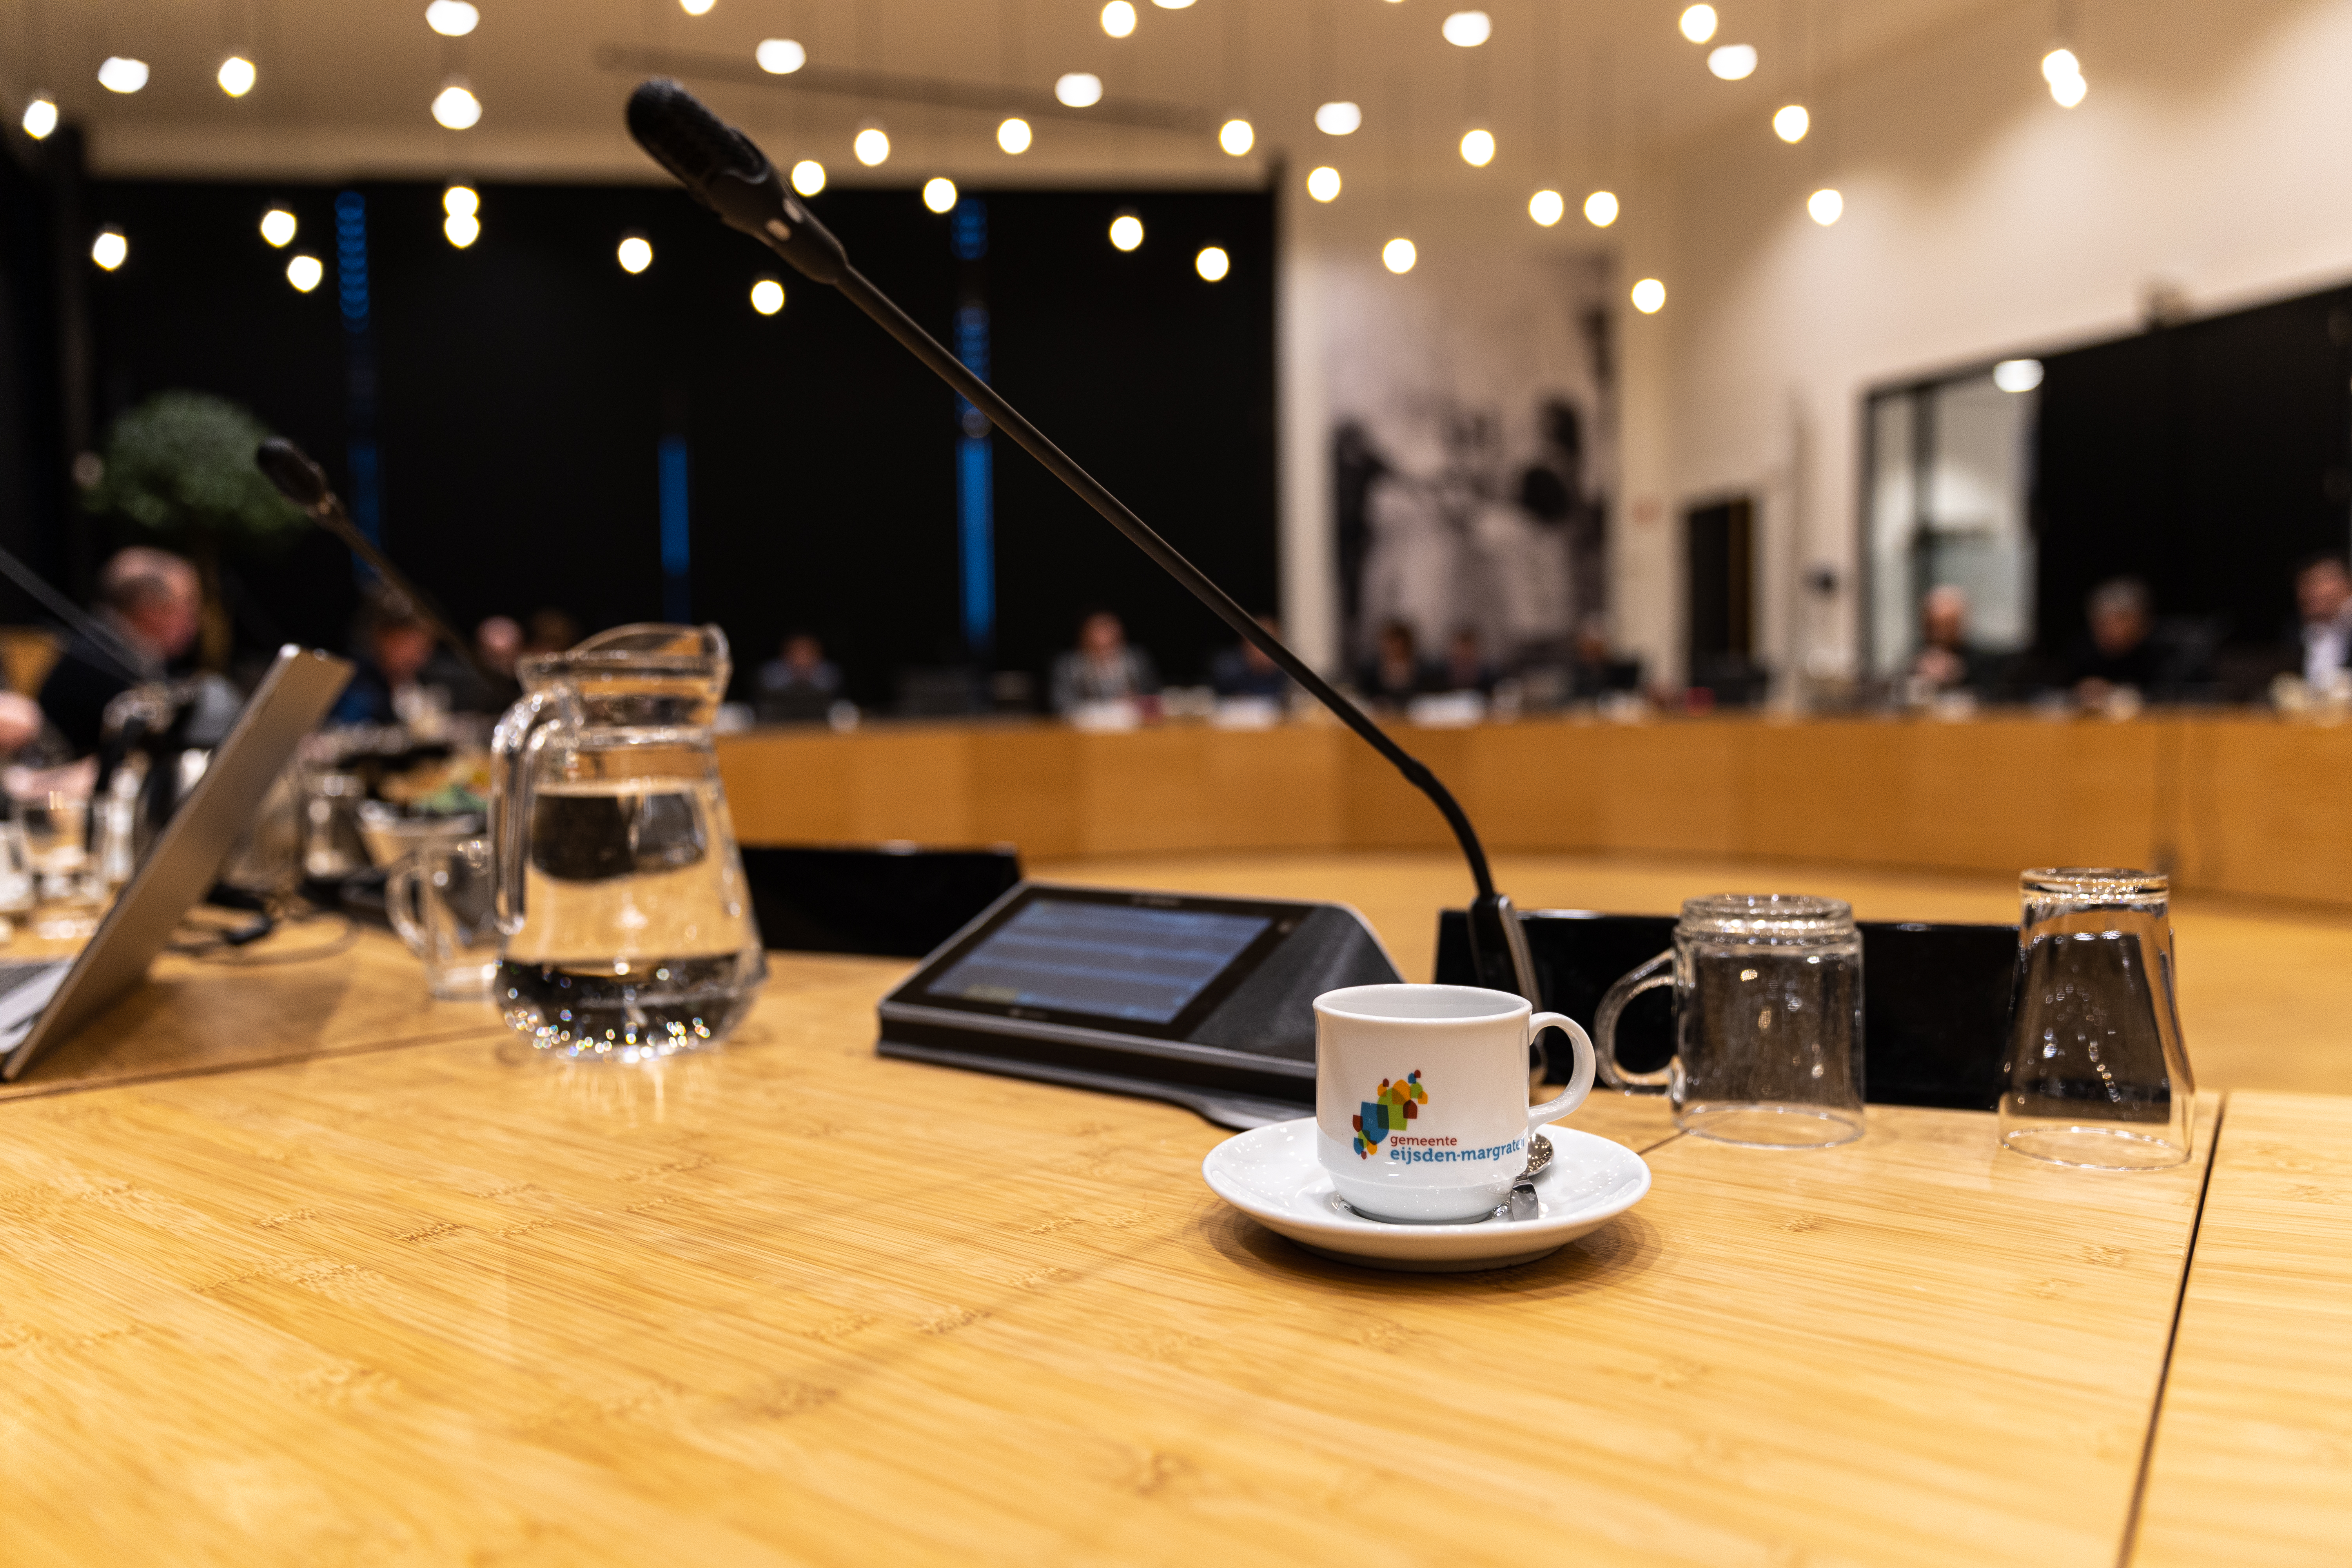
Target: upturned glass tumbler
<point x="2097" y="1075"/>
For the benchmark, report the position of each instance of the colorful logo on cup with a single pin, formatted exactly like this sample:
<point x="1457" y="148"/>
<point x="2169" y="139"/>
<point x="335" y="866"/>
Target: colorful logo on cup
<point x="1388" y="1112"/>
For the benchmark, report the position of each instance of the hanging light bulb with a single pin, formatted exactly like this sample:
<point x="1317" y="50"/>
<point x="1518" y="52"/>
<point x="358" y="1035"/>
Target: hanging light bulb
<point x="1339" y="119"/>
<point x="278" y="227"/>
<point x="1467" y="29"/>
<point x="455" y="106"/>
<point x="118" y="74"/>
<point x="304" y="272"/>
<point x="635" y="253"/>
<point x="1478" y="148"/>
<point x="1600" y="208"/>
<point x="1398" y="256"/>
<point x="1323" y="183"/>
<point x="1078" y="89"/>
<point x="1791" y="123"/>
<point x="1127" y="231"/>
<point x="41" y="116"/>
<point x="1012" y="135"/>
<point x="236" y="76"/>
<point x="461" y="201"/>
<point x="1698" y="24"/>
<point x="1649" y="295"/>
<point x="1212" y="263"/>
<point x="696" y="8"/>
<point x="767" y="296"/>
<point x="1733" y="62"/>
<point x="452" y="18"/>
<point x="1547" y="207"/>
<point x="1826" y="205"/>
<point x="1236" y="137"/>
<point x="110" y="249"/>
<point x="808" y="176"/>
<point x="2064" y="72"/>
<point x="938" y="194"/>
<point x="872" y="146"/>
<point x="779" y="56"/>
<point x="1118" y="19"/>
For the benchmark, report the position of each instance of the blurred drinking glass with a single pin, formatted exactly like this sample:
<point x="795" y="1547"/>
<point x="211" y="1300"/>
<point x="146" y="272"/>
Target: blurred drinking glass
<point x="2097" y="1074"/>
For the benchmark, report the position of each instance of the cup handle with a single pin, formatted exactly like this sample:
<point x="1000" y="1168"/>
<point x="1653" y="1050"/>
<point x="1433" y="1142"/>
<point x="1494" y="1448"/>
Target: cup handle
<point x="1580" y="1078"/>
<point x="1658" y="972"/>
<point x="400" y="890"/>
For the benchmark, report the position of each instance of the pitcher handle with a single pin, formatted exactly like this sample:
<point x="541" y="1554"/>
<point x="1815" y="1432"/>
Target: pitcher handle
<point x="1658" y="972"/>
<point x="400" y="892"/>
<point x="520" y="734"/>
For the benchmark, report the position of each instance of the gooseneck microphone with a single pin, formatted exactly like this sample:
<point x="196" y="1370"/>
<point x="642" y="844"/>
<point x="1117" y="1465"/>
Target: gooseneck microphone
<point x="727" y="174"/>
<point x="304" y="483"/>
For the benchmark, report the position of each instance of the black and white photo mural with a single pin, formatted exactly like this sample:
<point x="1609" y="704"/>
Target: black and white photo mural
<point x="1473" y="457"/>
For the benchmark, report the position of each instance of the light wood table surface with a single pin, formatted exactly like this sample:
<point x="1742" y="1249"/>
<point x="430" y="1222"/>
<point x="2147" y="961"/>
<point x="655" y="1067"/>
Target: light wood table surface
<point x="2252" y="1459"/>
<point x="789" y="1302"/>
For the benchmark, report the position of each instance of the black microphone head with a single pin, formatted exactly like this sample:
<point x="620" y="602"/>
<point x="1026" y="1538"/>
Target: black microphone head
<point x="728" y="174"/>
<point x="298" y="479"/>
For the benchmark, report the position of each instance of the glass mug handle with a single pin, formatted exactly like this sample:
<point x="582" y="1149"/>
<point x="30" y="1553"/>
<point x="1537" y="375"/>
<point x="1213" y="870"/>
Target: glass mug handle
<point x="1651" y="976"/>
<point x="1580" y="1077"/>
<point x="401" y="889"/>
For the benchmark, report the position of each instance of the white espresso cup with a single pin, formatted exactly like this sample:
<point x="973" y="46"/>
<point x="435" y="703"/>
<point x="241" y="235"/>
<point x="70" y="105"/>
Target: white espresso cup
<point x="1420" y="1097"/>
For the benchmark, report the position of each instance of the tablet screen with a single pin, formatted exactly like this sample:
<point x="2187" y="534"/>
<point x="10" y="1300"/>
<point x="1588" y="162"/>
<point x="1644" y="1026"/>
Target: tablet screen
<point x="1111" y="960"/>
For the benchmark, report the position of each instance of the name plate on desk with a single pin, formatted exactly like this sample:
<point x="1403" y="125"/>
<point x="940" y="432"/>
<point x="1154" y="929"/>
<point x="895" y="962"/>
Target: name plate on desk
<point x="1205" y="1001"/>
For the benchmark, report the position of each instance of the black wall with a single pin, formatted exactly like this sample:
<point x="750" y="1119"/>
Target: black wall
<point x="523" y="387"/>
<point x="2207" y="457"/>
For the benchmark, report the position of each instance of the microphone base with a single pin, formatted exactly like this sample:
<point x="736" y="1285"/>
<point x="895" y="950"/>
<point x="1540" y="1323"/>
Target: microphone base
<point x="1498" y="948"/>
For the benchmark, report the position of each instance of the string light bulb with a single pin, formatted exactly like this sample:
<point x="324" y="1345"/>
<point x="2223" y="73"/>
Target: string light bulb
<point x="1600" y="208"/>
<point x="635" y="253"/>
<point x="110" y="249"/>
<point x="1791" y="123"/>
<point x="120" y="74"/>
<point x="40" y="116"/>
<point x="1698" y="24"/>
<point x="767" y="296"/>
<point x="1212" y="263"/>
<point x="236" y="76"/>
<point x="1118" y="19"/>
<point x="461" y="229"/>
<point x="808" y="176"/>
<point x="278" y="227"/>
<point x="452" y="18"/>
<point x="1127" y="231"/>
<point x="304" y="272"/>
<point x="1467" y="29"/>
<point x="779" y="56"/>
<point x="939" y="194"/>
<point x="1478" y="148"/>
<point x="1236" y="137"/>
<point x="2064" y="72"/>
<point x="1826" y="205"/>
<point x="872" y="146"/>
<point x="461" y="201"/>
<point x="1733" y="62"/>
<point x="1323" y="183"/>
<point x="1398" y="256"/>
<point x="1547" y="207"/>
<point x="1012" y="136"/>
<point x="696" y="8"/>
<point x="1338" y="118"/>
<point x="1078" y="89"/>
<point x="456" y="108"/>
<point x="1649" y="295"/>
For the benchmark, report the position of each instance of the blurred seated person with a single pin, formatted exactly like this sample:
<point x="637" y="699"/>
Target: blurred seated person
<point x="1594" y="670"/>
<point x="152" y="601"/>
<point x="552" y="631"/>
<point x="498" y="643"/>
<point x="1465" y="668"/>
<point x="1102" y="667"/>
<point x="1395" y="674"/>
<point x="1245" y="671"/>
<point x="1947" y="660"/>
<point x="2322" y="601"/>
<point x="798" y="686"/>
<point x="390" y="647"/>
<point x="2120" y="650"/>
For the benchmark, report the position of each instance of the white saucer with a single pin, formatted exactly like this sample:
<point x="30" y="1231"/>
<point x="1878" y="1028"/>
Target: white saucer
<point x="1271" y="1174"/>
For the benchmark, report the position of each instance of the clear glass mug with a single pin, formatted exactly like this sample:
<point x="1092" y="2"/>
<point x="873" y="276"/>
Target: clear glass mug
<point x="628" y="931"/>
<point x="2097" y="1073"/>
<point x="441" y="898"/>
<point x="1768" y="1021"/>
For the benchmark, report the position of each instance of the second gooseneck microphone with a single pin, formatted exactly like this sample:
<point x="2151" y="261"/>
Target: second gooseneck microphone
<point x="729" y="174"/>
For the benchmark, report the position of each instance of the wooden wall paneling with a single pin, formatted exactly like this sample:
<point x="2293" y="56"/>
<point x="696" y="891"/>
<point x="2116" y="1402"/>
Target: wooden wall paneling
<point x="1278" y="789"/>
<point x="1674" y="786"/>
<point x="1026" y="781"/>
<point x="1145" y="792"/>
<point x="2105" y="782"/>
<point x="1383" y="811"/>
<point x="913" y="784"/>
<point x="1980" y="799"/>
<point x="1835" y="791"/>
<point x="2263" y="812"/>
<point x="790" y="786"/>
<point x="1536" y="785"/>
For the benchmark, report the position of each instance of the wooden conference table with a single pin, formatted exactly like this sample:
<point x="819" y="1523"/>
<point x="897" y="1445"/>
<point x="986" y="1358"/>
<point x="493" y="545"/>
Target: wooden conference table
<point x="394" y="1296"/>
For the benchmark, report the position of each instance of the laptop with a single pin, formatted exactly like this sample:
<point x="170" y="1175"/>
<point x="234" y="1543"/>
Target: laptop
<point x="45" y="1002"/>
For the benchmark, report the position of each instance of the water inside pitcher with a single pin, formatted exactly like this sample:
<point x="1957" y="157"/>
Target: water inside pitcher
<point x="628" y="931"/>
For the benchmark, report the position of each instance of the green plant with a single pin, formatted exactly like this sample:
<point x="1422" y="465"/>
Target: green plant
<point x="180" y="467"/>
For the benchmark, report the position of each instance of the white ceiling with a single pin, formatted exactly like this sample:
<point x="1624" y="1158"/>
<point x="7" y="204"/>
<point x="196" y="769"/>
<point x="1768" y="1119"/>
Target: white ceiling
<point x="1573" y="90"/>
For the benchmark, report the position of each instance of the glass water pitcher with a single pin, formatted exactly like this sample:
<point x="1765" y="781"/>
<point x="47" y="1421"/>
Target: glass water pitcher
<point x="627" y="929"/>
